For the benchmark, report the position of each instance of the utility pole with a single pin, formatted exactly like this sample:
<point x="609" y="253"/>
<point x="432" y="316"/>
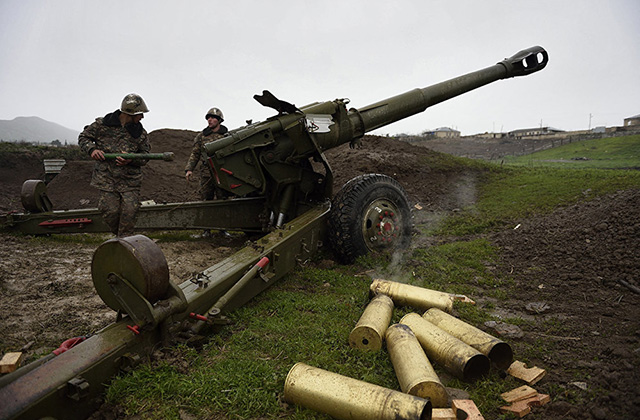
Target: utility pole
<point x="590" y="121"/>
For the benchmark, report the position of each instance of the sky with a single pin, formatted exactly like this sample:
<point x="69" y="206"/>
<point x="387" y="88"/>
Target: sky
<point x="70" y="61"/>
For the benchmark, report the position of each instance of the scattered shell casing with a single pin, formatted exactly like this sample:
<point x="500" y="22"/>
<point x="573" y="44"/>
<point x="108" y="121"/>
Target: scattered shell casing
<point x="413" y="369"/>
<point x="349" y="399"/>
<point x="496" y="350"/>
<point x="457" y="357"/>
<point x="369" y="331"/>
<point x="414" y="296"/>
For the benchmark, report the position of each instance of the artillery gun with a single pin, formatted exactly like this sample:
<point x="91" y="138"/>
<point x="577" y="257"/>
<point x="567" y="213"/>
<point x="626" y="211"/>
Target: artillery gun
<point x="278" y="183"/>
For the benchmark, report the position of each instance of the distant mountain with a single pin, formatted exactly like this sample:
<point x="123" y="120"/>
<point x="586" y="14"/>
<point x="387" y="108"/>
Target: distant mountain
<point x="35" y="129"/>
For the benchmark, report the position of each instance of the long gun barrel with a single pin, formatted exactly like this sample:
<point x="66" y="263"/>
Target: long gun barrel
<point x="166" y="156"/>
<point x="415" y="101"/>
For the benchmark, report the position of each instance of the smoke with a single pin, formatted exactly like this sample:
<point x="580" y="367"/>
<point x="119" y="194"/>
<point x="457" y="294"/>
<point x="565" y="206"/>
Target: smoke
<point x="427" y="219"/>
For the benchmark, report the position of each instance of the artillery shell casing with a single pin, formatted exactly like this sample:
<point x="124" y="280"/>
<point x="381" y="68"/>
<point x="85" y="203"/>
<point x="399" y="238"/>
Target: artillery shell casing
<point x="350" y="399"/>
<point x="496" y="350"/>
<point x="369" y="331"/>
<point x="457" y="357"/>
<point x="413" y="369"/>
<point x="414" y="296"/>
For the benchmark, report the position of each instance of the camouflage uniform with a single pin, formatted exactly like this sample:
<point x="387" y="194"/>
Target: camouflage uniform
<point x="119" y="185"/>
<point x="198" y="154"/>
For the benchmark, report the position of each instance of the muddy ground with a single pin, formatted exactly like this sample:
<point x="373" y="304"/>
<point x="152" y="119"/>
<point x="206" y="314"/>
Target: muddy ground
<point x="571" y="260"/>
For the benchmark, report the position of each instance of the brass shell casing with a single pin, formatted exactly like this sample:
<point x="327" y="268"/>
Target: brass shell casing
<point x="413" y="369"/>
<point x="414" y="296"/>
<point x="350" y="399"/>
<point x="496" y="350"/>
<point x="369" y="331"/>
<point x="457" y="357"/>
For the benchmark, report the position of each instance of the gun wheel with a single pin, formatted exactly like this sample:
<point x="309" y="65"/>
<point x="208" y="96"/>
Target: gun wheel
<point x="369" y="214"/>
<point x="135" y="258"/>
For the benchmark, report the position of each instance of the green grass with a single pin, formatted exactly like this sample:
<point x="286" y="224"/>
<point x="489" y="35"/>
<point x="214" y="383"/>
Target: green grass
<point x="606" y="153"/>
<point x="511" y="194"/>
<point x="455" y="267"/>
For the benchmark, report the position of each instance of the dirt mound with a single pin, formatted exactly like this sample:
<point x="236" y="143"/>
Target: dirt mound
<point x="164" y="182"/>
<point x="406" y="163"/>
<point x="14" y="170"/>
<point x="572" y="261"/>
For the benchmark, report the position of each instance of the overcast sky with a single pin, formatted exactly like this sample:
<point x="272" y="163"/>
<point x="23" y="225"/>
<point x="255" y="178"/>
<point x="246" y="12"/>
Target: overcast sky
<point x="70" y="61"/>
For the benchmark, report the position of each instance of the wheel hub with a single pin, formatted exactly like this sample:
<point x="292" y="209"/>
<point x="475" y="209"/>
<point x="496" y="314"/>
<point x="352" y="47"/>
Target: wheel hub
<point x="381" y="225"/>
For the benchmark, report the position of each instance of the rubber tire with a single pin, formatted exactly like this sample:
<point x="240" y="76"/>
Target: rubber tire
<point x="352" y="204"/>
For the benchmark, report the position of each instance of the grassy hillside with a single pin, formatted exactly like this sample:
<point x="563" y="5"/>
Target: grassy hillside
<point x="514" y="193"/>
<point x="606" y="153"/>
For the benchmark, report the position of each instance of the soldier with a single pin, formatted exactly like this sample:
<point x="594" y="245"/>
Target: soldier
<point x="119" y="180"/>
<point x="213" y="131"/>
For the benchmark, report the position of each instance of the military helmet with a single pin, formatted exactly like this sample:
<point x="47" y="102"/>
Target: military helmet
<point x="133" y="104"/>
<point x="214" y="112"/>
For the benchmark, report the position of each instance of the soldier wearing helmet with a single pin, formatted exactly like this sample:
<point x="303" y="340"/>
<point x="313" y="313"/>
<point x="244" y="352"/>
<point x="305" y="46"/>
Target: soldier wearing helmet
<point x="119" y="180"/>
<point x="213" y="131"/>
<point x="133" y="104"/>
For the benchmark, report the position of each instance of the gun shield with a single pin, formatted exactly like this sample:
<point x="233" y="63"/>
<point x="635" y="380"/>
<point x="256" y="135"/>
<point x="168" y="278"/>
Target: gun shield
<point x="414" y="296"/>
<point x="496" y="350"/>
<point x="346" y="398"/>
<point x="413" y="369"/>
<point x="459" y="358"/>
<point x="369" y="331"/>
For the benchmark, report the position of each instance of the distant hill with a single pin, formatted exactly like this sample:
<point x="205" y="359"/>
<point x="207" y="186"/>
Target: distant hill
<point x="35" y="129"/>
